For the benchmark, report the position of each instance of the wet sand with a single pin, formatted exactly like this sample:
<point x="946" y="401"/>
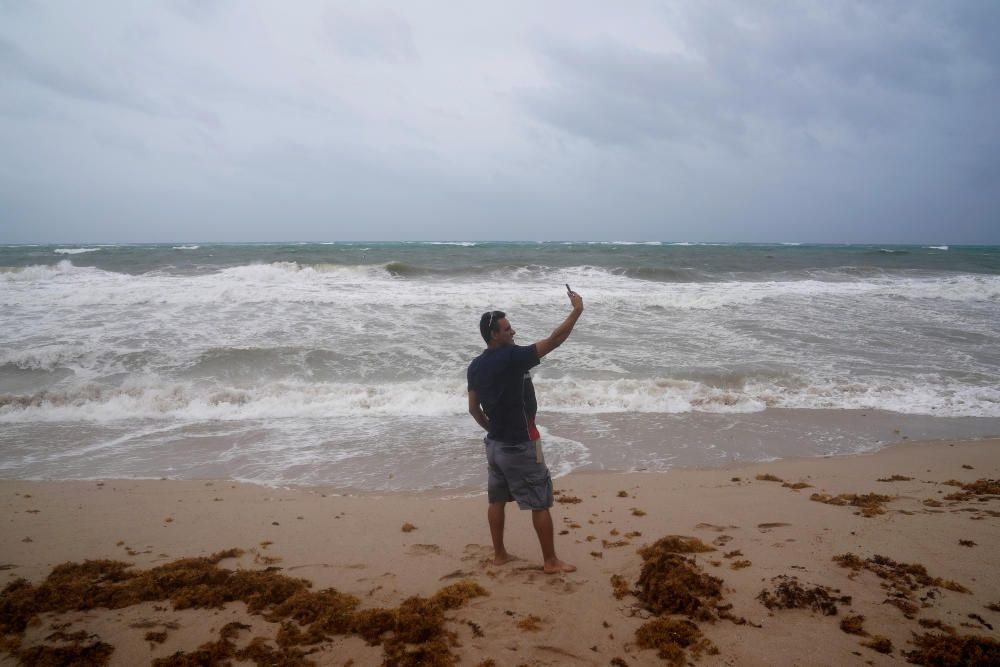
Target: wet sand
<point x="763" y="533"/>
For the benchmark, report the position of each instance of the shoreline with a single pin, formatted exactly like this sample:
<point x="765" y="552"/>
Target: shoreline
<point x="360" y="548"/>
<point x="447" y="453"/>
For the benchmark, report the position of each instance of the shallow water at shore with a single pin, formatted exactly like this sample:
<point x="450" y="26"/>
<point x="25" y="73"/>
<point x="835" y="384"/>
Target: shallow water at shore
<point x="441" y="453"/>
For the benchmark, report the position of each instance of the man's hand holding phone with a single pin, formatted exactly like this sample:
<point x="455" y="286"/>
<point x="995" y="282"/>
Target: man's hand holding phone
<point x="575" y="299"/>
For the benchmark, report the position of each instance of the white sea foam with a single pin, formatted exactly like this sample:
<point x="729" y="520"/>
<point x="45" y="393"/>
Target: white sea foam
<point x="38" y="272"/>
<point x="186" y="247"/>
<point x="153" y="398"/>
<point x="73" y="251"/>
<point x="937" y="247"/>
<point x="289" y="282"/>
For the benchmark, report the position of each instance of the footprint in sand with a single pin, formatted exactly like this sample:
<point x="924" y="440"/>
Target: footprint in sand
<point x="352" y="566"/>
<point x="558" y="584"/>
<point x="768" y="527"/>
<point x="479" y="553"/>
<point x="722" y="540"/>
<point x="423" y="549"/>
<point x="709" y="526"/>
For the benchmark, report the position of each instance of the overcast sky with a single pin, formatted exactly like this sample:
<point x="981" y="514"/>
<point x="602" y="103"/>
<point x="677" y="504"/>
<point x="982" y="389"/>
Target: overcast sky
<point x="237" y="120"/>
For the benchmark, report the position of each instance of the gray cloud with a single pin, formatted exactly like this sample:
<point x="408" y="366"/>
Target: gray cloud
<point x="854" y="67"/>
<point x="371" y="35"/>
<point x="723" y="120"/>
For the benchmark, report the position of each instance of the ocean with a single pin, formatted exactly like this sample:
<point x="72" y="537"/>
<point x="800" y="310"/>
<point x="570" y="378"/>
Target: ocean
<point x="343" y="364"/>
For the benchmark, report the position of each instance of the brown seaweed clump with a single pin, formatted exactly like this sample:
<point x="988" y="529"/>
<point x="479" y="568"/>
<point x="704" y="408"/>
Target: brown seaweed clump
<point x="795" y="486"/>
<point x="901" y="577"/>
<point x="619" y="586"/>
<point x="670" y="583"/>
<point x="949" y="650"/>
<point x="901" y="580"/>
<point x="188" y="582"/>
<point x="530" y="623"/>
<point x="788" y="593"/>
<point x="984" y="488"/>
<point x="879" y="643"/>
<point x="854" y="625"/>
<point x="869" y="504"/>
<point x="894" y="478"/>
<point x="76" y="652"/>
<point x="936" y="624"/>
<point x="768" y="477"/>
<point x="414" y="633"/>
<point x="673" y="639"/>
<point x="223" y="650"/>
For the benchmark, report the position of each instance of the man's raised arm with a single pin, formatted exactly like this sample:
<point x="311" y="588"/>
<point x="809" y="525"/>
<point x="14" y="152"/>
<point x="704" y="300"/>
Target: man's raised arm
<point x="561" y="332"/>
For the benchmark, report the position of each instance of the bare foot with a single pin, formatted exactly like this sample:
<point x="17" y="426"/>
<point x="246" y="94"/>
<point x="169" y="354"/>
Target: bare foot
<point x="503" y="559"/>
<point x="556" y="566"/>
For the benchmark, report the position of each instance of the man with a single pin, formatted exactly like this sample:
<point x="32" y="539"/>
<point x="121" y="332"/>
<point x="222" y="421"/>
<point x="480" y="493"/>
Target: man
<point x="502" y="401"/>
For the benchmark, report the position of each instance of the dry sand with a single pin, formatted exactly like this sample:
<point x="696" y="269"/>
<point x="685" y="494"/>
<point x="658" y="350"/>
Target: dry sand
<point x="355" y="543"/>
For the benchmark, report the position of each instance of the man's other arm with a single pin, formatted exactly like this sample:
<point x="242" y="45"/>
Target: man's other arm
<point x="477" y="412"/>
<point x="561" y="332"/>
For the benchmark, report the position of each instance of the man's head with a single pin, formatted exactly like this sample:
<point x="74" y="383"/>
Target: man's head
<point x="495" y="329"/>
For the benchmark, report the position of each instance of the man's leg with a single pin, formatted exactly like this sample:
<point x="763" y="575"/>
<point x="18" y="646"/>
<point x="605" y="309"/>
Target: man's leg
<point x="542" y="521"/>
<point x="495" y="514"/>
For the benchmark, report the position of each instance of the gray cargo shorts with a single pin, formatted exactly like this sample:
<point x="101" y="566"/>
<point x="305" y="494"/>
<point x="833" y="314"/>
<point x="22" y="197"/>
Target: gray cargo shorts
<point x="517" y="472"/>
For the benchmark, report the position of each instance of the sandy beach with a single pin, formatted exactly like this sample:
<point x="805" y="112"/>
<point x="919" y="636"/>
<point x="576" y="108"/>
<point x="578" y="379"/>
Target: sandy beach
<point x="924" y="562"/>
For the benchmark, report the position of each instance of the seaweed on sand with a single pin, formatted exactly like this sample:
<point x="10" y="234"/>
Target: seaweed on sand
<point x="562" y="496"/>
<point x="934" y="623"/>
<point x="768" y="477"/>
<point x="530" y="623"/>
<point x="222" y="650"/>
<point x="413" y="633"/>
<point x="879" y="643"/>
<point x="620" y="587"/>
<point x="77" y="654"/>
<point x="189" y="582"/>
<point x="869" y="504"/>
<point x="795" y="486"/>
<point x="948" y="650"/>
<point x="983" y="488"/>
<point x="901" y="580"/>
<point x="670" y="583"/>
<point x="788" y="593"/>
<point x="854" y="625"/>
<point x="673" y="638"/>
<point x="902" y="577"/>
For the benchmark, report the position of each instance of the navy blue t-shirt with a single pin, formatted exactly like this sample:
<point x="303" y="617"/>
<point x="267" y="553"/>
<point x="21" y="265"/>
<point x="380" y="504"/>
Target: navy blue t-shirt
<point x="502" y="383"/>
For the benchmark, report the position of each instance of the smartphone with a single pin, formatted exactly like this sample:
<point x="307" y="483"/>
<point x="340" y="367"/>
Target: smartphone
<point x="568" y="290"/>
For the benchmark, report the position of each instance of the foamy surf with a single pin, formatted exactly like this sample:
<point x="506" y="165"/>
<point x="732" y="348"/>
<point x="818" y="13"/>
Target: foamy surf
<point x="328" y="364"/>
